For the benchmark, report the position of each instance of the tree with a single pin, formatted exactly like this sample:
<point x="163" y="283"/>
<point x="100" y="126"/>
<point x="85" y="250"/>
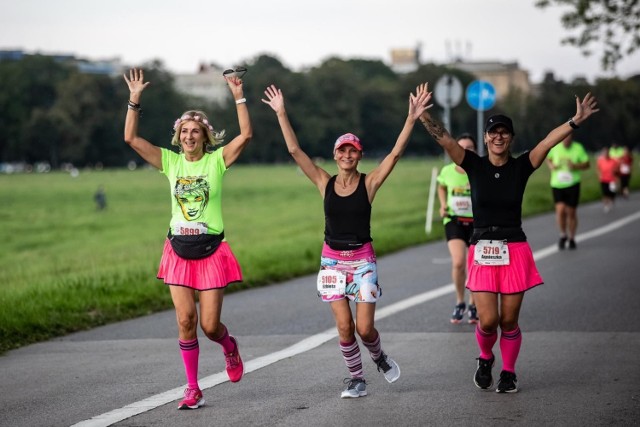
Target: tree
<point x="613" y="23"/>
<point x="26" y="86"/>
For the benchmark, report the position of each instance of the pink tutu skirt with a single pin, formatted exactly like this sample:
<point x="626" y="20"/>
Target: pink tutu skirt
<point x="213" y="272"/>
<point x="520" y="275"/>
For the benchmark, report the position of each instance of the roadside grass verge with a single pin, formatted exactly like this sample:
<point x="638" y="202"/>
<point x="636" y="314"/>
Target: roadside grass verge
<point x="65" y="266"/>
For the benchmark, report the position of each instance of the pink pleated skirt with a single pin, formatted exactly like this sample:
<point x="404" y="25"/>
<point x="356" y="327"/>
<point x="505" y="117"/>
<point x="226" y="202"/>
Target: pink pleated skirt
<point x="520" y="275"/>
<point x="213" y="272"/>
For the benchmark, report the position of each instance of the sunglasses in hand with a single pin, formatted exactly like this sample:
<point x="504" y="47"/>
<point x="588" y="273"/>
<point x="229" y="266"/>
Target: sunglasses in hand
<point x="235" y="72"/>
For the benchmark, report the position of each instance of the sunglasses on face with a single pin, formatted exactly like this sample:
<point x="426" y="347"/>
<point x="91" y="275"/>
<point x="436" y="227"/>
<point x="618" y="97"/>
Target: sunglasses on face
<point x="235" y="72"/>
<point x="503" y="133"/>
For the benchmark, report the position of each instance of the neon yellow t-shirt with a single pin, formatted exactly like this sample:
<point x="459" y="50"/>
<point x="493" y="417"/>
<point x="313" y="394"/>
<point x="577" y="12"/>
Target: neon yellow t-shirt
<point x="458" y="192"/>
<point x="616" y="152"/>
<point x="196" y="192"/>
<point x="562" y="176"/>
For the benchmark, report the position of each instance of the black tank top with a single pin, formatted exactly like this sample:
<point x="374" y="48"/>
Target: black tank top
<point x="347" y="219"/>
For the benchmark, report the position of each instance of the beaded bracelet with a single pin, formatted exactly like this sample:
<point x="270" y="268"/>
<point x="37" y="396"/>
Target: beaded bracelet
<point x="135" y="107"/>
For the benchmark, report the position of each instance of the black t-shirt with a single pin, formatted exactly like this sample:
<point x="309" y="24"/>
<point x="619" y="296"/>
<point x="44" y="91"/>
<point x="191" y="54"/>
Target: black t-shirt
<point x="497" y="191"/>
<point x="347" y="219"/>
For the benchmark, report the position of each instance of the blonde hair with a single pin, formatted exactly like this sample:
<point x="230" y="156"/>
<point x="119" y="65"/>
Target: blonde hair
<point x="213" y="137"/>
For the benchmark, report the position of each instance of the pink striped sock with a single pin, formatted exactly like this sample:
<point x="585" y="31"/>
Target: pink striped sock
<point x="225" y="341"/>
<point x="190" y="350"/>
<point x="510" y="343"/>
<point x="375" y="348"/>
<point x="351" y="354"/>
<point x="486" y="341"/>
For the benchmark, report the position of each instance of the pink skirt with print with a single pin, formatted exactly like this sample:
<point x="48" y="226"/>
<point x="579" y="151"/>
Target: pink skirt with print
<point x="520" y="275"/>
<point x="212" y="272"/>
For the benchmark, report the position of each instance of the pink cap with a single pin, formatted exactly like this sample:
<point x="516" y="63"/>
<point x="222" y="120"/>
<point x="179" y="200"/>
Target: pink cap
<point x="348" y="138"/>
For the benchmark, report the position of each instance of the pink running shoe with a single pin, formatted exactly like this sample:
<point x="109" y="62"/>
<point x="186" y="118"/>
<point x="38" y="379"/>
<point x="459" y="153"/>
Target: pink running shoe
<point x="235" y="368"/>
<point x="192" y="399"/>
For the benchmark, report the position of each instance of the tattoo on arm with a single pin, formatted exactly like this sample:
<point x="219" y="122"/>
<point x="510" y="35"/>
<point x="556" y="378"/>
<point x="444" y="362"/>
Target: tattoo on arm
<point x="434" y="127"/>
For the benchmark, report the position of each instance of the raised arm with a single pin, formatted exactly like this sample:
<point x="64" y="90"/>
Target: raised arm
<point x="418" y="104"/>
<point x="584" y="109"/>
<point x="437" y="130"/>
<point x="149" y="152"/>
<point x="316" y="174"/>
<point x="234" y="148"/>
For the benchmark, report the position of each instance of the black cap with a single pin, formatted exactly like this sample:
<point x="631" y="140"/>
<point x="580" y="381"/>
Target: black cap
<point x="499" y="119"/>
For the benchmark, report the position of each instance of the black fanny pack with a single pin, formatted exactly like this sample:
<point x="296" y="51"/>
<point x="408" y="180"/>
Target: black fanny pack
<point x="344" y="245"/>
<point x="510" y="234"/>
<point x="195" y="247"/>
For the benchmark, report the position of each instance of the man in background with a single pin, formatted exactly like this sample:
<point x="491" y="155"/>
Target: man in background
<point x="566" y="161"/>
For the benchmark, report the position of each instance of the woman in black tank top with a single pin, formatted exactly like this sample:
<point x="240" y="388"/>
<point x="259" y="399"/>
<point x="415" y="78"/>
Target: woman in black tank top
<point x="348" y="267"/>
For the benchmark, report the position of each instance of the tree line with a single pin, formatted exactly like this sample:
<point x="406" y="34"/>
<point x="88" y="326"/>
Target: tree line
<point x="53" y="113"/>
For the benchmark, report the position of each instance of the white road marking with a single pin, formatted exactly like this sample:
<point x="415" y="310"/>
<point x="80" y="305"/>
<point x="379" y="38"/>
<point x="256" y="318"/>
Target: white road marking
<point x="313" y="341"/>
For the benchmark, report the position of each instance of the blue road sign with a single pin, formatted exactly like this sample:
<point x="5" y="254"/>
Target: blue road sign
<point x="481" y="95"/>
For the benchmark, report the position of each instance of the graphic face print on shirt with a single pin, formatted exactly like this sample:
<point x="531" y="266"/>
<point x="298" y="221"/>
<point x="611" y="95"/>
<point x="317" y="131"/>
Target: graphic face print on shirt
<point x="192" y="194"/>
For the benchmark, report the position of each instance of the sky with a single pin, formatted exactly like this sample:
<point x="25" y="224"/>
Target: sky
<point x="300" y="33"/>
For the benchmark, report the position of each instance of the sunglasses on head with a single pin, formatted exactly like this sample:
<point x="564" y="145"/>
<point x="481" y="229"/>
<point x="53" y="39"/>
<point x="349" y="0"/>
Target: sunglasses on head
<point x="235" y="72"/>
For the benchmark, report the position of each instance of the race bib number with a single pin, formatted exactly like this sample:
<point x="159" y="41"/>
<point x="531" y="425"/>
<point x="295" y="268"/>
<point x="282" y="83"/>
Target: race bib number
<point x="565" y="177"/>
<point x="625" y="169"/>
<point x="491" y="252"/>
<point x="332" y="282"/>
<point x="189" y="228"/>
<point x="461" y="205"/>
<point x="613" y="187"/>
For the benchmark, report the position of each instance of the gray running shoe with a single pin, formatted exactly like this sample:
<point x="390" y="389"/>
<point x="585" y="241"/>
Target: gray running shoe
<point x="388" y="367"/>
<point x="356" y="387"/>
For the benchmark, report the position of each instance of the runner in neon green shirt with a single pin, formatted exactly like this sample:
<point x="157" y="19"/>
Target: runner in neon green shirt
<point x="567" y="161"/>
<point x="454" y="193"/>
<point x="196" y="257"/>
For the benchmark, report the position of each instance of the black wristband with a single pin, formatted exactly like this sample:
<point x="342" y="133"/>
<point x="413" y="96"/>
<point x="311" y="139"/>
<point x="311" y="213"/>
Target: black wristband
<point x="573" y="124"/>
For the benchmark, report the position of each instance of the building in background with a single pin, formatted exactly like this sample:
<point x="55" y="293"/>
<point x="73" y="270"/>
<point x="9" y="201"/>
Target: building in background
<point x="405" y="60"/>
<point x="108" y="67"/>
<point x="207" y="84"/>
<point x="504" y="76"/>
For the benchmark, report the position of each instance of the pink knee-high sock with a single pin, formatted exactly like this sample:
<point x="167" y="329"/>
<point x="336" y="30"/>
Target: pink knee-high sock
<point x="228" y="346"/>
<point x="510" y="343"/>
<point x="374" y="347"/>
<point x="351" y="354"/>
<point x="190" y="351"/>
<point x="486" y="340"/>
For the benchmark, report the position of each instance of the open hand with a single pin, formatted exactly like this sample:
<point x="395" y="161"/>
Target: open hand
<point x="275" y="99"/>
<point x="585" y="107"/>
<point x="419" y="102"/>
<point x="136" y="81"/>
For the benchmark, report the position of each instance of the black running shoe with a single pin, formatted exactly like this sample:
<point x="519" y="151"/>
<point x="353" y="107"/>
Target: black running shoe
<point x="507" y="383"/>
<point x="458" y="313"/>
<point x="562" y="242"/>
<point x="473" y="314"/>
<point x="572" y="244"/>
<point x="483" y="378"/>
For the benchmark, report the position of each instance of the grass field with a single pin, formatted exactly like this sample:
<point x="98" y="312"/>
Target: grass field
<point x="65" y="266"/>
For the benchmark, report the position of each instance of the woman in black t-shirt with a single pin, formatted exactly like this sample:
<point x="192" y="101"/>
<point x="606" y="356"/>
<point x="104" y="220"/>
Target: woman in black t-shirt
<point x="348" y="264"/>
<point x="500" y="262"/>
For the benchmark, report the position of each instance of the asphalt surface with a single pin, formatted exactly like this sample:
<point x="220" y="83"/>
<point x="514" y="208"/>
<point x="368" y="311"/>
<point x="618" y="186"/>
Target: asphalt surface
<point x="578" y="364"/>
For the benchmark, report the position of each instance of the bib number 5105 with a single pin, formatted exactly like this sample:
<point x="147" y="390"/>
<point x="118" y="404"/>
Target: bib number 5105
<point x="331" y="282"/>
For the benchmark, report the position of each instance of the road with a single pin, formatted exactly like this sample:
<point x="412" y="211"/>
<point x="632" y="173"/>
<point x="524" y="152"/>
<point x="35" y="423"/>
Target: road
<point x="578" y="364"/>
